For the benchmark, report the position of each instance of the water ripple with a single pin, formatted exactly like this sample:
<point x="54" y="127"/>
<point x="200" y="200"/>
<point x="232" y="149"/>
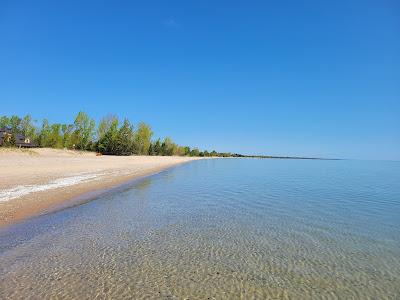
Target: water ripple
<point x="219" y="229"/>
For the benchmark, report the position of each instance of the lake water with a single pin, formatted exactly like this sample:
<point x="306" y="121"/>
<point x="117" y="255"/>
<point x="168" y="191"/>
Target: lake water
<point x="219" y="229"/>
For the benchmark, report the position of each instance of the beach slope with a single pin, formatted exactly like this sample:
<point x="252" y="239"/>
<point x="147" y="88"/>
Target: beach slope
<point x="36" y="181"/>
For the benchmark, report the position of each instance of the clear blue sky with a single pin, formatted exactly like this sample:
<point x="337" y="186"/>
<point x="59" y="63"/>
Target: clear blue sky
<point x="311" y="78"/>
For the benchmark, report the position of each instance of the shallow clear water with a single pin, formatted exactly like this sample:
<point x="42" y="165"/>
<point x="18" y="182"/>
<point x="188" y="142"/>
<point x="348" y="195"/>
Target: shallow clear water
<point x="224" y="228"/>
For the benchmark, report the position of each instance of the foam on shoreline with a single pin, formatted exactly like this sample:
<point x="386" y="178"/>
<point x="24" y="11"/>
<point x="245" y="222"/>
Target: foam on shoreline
<point x="23" y="190"/>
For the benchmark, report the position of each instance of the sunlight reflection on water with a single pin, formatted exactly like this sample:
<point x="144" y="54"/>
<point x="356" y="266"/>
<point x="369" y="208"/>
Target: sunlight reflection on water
<point x="227" y="228"/>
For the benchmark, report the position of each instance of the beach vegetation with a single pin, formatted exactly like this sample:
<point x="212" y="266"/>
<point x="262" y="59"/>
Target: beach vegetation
<point x="110" y="137"/>
<point x="84" y="131"/>
<point x="125" y="139"/>
<point x="143" y="138"/>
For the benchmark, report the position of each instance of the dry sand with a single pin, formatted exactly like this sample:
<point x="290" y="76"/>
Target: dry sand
<point x="37" y="181"/>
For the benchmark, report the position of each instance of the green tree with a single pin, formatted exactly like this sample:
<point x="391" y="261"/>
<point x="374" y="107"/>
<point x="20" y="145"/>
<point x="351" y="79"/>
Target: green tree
<point x="157" y="148"/>
<point x="143" y="138"/>
<point x="67" y="130"/>
<point x="105" y="124"/>
<point x="84" y="127"/>
<point x="15" y="123"/>
<point x="4" y="121"/>
<point x="195" y="152"/>
<point x="179" y="150"/>
<point x="151" y="149"/>
<point x="44" y="137"/>
<point x="186" y="151"/>
<point x="108" y="143"/>
<point x="125" y="139"/>
<point x="168" y="147"/>
<point x="174" y="149"/>
<point x="28" y="128"/>
<point x="55" y="137"/>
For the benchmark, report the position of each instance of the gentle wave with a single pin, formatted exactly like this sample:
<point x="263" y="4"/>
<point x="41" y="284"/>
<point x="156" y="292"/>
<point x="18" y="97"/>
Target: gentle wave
<point x="23" y="190"/>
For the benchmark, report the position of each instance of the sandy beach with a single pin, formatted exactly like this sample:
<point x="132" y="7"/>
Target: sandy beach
<point x="36" y="181"/>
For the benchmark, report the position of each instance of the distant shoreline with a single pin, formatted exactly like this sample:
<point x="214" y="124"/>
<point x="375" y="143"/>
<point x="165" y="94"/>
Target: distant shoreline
<point x="284" y="157"/>
<point x="39" y="180"/>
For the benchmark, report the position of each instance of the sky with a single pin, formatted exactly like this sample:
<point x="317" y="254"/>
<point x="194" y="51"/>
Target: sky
<point x="299" y="78"/>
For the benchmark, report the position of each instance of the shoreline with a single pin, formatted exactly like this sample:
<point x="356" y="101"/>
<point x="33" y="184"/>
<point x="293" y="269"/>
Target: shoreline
<point x="42" y="181"/>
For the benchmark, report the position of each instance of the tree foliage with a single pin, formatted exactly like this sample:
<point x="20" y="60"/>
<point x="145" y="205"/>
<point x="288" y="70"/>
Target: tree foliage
<point x="143" y="138"/>
<point x="105" y="124"/>
<point x="109" y="137"/>
<point x="84" y="130"/>
<point x="125" y="139"/>
<point x="108" y="143"/>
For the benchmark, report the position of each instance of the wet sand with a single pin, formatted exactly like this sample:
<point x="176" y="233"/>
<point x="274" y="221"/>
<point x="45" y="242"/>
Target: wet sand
<point x="34" y="182"/>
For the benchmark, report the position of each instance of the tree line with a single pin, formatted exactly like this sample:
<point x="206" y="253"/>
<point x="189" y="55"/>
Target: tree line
<point x="110" y="137"/>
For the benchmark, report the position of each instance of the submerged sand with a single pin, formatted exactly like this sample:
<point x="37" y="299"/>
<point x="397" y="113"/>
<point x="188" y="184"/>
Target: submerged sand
<point x="36" y="181"/>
